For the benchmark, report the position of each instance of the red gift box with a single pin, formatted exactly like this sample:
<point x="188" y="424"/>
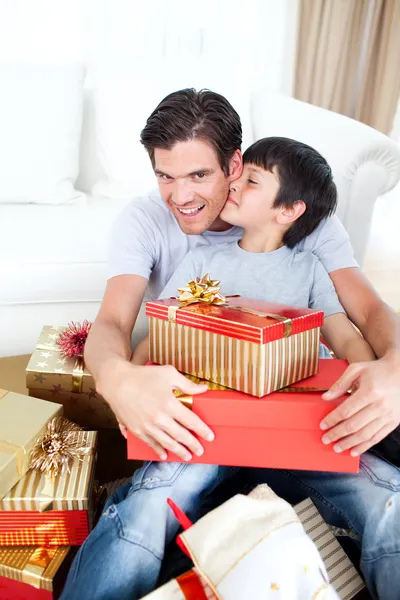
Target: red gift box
<point x="281" y="430"/>
<point x="29" y="516"/>
<point x="33" y="573"/>
<point x="249" y="345"/>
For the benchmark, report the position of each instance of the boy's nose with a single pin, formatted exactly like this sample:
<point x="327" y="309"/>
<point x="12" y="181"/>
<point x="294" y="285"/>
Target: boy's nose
<point x="233" y="187"/>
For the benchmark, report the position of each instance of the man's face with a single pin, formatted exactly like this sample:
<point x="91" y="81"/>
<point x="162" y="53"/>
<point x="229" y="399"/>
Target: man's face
<point x="251" y="198"/>
<point x="193" y="185"/>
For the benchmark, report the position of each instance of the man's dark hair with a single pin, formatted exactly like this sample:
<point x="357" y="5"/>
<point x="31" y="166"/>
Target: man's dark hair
<point x="186" y="115"/>
<point x="303" y="175"/>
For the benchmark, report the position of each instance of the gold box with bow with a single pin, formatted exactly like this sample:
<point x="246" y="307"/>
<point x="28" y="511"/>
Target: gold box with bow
<point x="52" y="510"/>
<point x="53" y="377"/>
<point x="33" y="573"/>
<point x="252" y="346"/>
<point x="22" y="421"/>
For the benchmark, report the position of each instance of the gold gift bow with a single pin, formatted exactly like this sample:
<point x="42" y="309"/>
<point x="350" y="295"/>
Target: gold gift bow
<point x="77" y="371"/>
<point x="205" y="290"/>
<point x="17" y="450"/>
<point x="37" y="564"/>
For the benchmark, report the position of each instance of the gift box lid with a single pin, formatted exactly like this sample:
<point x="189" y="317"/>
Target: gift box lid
<point x="48" y="369"/>
<point x="298" y="407"/>
<point x="241" y="318"/>
<point x="69" y="490"/>
<point x="22" y="420"/>
<point x="35" y="566"/>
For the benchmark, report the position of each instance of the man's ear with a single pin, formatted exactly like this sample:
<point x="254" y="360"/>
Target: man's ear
<point x="288" y="215"/>
<point x="235" y="166"/>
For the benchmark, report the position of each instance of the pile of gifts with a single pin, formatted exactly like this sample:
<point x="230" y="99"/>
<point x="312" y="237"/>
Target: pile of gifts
<point x="261" y="364"/>
<point x="46" y="495"/>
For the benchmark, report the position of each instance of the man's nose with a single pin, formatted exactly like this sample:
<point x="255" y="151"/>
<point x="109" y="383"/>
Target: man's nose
<point x="183" y="192"/>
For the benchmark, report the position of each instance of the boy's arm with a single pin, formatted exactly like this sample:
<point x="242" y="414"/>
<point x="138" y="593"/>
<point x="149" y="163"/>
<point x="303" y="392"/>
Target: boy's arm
<point x="345" y="340"/>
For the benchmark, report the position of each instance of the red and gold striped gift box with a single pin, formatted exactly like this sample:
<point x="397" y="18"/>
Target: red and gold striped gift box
<point x="248" y="345"/>
<point x="33" y="573"/>
<point x="42" y="512"/>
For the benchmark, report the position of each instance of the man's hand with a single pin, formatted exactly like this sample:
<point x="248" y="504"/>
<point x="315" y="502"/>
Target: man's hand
<point x="371" y="412"/>
<point x="144" y="403"/>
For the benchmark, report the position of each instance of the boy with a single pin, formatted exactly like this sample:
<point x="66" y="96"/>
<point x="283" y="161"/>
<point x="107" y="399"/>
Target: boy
<point x="285" y="191"/>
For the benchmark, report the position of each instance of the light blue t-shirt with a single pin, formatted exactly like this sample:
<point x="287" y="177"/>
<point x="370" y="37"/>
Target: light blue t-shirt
<point x="284" y="276"/>
<point x="148" y="241"/>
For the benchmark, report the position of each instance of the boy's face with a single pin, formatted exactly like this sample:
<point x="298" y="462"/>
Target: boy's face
<point x="193" y="185"/>
<point x="251" y="198"/>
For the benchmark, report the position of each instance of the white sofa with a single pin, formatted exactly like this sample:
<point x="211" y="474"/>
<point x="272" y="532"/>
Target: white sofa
<point x="53" y="258"/>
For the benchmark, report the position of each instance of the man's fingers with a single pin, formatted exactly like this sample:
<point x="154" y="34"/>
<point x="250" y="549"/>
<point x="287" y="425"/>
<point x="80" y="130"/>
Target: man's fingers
<point x="378" y="437"/>
<point x="344" y="383"/>
<point x="184" y="436"/>
<point x="191" y="421"/>
<point x="185" y="385"/>
<point x="362" y="436"/>
<point x="349" y="407"/>
<point x="352" y="424"/>
<point x="123" y="430"/>
<point x="169" y="443"/>
<point x="158" y="449"/>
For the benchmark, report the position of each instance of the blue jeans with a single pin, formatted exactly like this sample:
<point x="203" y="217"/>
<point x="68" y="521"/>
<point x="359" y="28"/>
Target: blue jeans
<point x="121" y="558"/>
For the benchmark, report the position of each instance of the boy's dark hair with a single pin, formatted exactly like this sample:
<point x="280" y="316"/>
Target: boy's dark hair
<point x="303" y="175"/>
<point x="188" y="114"/>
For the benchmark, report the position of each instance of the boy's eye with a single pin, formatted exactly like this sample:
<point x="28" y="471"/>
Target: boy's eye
<point x="252" y="181"/>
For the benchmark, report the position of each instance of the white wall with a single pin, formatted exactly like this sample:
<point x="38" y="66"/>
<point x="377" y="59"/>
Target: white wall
<point x="262" y="31"/>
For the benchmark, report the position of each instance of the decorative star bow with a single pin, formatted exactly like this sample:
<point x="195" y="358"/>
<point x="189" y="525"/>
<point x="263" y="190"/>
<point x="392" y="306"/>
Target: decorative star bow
<point x="204" y="290"/>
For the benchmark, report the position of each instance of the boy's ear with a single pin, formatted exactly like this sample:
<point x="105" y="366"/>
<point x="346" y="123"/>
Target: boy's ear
<point x="235" y="166"/>
<point x="289" y="215"/>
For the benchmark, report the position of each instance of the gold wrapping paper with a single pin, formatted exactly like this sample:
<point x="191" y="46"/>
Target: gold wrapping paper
<point x="22" y="421"/>
<point x="48" y="365"/>
<point x="72" y="490"/>
<point x="34" y="566"/>
<point x="256" y="369"/>
<point x="52" y="377"/>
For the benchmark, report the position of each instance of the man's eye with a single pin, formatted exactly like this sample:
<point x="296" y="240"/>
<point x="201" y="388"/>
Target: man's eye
<point x="200" y="175"/>
<point x="164" y="177"/>
<point x="252" y="181"/>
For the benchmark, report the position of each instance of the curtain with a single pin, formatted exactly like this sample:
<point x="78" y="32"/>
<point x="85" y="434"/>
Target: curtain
<point x="348" y="57"/>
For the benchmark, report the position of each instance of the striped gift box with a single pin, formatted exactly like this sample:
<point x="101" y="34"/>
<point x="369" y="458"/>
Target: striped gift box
<point x="30" y="517"/>
<point x="249" y="345"/>
<point x="33" y="573"/>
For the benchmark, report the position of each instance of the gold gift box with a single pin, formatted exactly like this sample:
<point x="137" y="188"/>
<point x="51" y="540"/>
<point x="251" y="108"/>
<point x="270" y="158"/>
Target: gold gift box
<point x="22" y="421"/>
<point x="71" y="488"/>
<point x="42" y="568"/>
<point x="67" y="381"/>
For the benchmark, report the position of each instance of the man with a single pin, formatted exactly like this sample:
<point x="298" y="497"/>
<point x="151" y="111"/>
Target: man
<point x="193" y="140"/>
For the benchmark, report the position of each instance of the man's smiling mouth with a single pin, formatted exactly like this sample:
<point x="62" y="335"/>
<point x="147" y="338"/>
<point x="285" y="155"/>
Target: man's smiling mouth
<point x="190" y="212"/>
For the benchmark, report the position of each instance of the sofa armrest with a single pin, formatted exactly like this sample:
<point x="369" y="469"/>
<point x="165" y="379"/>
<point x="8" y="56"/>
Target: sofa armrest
<point x="365" y="162"/>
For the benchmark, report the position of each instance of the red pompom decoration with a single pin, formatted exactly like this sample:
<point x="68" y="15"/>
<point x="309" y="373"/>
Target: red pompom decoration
<point x="72" y="340"/>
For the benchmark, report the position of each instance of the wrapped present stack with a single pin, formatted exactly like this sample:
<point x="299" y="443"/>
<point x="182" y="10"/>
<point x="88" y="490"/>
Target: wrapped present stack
<point x="56" y="372"/>
<point x="46" y="476"/>
<point x="265" y="379"/>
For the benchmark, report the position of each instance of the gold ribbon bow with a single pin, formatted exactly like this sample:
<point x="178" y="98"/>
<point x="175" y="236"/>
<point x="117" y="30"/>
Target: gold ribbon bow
<point x="207" y="291"/>
<point x="204" y="290"/>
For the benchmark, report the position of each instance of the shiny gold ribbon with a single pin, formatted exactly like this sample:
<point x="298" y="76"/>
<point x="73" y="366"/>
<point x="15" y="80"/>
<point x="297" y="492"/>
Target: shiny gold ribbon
<point x="37" y="564"/>
<point x="77" y="371"/>
<point x="288" y="325"/>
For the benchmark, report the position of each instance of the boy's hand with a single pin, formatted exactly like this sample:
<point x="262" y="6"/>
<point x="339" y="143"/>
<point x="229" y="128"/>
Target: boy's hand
<point x="371" y="412"/>
<point x="143" y="401"/>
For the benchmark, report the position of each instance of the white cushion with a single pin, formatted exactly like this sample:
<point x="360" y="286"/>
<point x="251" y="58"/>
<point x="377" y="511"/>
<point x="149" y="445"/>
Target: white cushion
<point x="124" y="97"/>
<point x="40" y="124"/>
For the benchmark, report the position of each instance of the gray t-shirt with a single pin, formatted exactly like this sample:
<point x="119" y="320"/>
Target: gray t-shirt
<point x="285" y="276"/>
<point x="148" y="241"/>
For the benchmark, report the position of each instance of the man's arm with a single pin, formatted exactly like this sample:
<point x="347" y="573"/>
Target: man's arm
<point x="373" y="410"/>
<point x="142" y="398"/>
